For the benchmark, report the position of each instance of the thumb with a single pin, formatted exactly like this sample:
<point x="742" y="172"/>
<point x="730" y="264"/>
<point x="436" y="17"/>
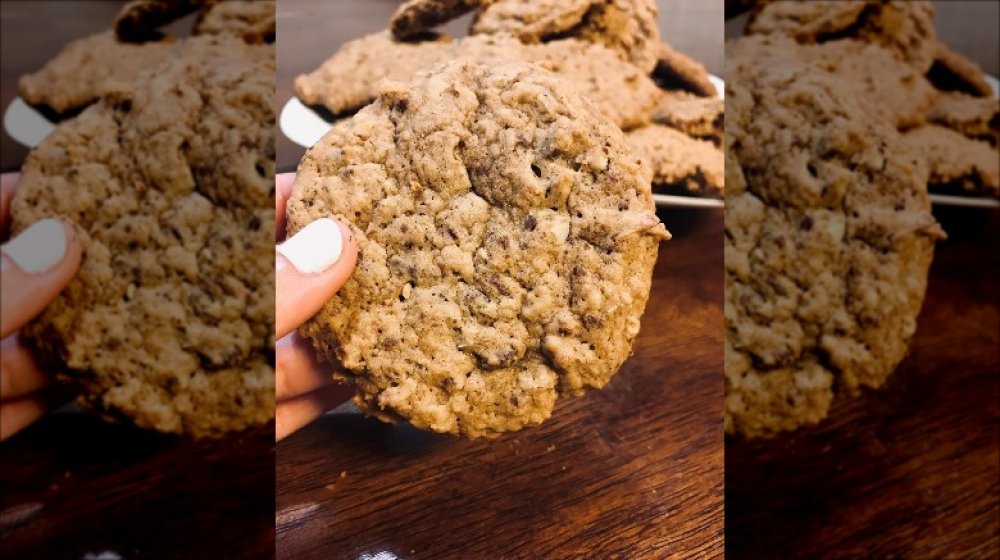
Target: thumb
<point x="310" y="267"/>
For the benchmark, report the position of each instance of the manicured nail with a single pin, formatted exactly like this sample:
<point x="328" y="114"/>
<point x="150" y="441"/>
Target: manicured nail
<point x="316" y="248"/>
<point x="39" y="248"/>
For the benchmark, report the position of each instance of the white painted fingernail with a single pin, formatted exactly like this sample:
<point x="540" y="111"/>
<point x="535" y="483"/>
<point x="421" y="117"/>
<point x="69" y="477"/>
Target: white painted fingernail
<point x="316" y="248"/>
<point x="39" y="248"/>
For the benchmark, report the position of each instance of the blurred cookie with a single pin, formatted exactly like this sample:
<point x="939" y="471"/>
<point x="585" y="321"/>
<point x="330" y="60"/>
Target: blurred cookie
<point x="975" y="117"/>
<point x="349" y="79"/>
<point x="88" y="68"/>
<point x="253" y="20"/>
<point x="679" y="162"/>
<point x="953" y="72"/>
<point x="829" y="238"/>
<point x="138" y="20"/>
<point x="956" y="161"/>
<point x="507" y="238"/>
<point x="625" y="26"/>
<point x="415" y="17"/>
<point x="904" y="27"/>
<point x="675" y="70"/>
<point x="698" y="117"/>
<point x="170" y="320"/>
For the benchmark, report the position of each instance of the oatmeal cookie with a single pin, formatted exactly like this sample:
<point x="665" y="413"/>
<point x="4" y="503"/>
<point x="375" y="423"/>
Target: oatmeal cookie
<point x="698" y="117"/>
<point x="829" y="238"/>
<point x="975" y="117"/>
<point x="138" y="20"/>
<point x="953" y="72"/>
<point x="88" y="68"/>
<point x="675" y="70"/>
<point x="253" y="20"/>
<point x="904" y="27"/>
<point x="507" y="238"/>
<point x="955" y="160"/>
<point x="170" y="320"/>
<point x="678" y="161"/>
<point x="625" y="26"/>
<point x="415" y="17"/>
<point x="349" y="79"/>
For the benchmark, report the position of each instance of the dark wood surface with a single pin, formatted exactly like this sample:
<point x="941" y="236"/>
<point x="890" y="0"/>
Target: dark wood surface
<point x="631" y="471"/>
<point x="71" y="484"/>
<point x="908" y="471"/>
<point x="311" y="30"/>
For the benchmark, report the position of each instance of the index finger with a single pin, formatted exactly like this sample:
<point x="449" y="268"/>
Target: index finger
<point x="8" y="184"/>
<point x="282" y="192"/>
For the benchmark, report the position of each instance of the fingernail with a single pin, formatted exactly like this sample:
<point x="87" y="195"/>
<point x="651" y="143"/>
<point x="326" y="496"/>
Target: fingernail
<point x="39" y="248"/>
<point x="316" y="248"/>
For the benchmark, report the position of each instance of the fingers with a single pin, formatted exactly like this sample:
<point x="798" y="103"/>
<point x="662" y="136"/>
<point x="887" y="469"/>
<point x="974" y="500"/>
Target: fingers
<point x="311" y="267"/>
<point x="298" y="371"/>
<point x="8" y="181"/>
<point x="292" y="414"/>
<point x="36" y="265"/>
<point x="20" y="374"/>
<point x="283" y="192"/>
<point x="18" y="413"/>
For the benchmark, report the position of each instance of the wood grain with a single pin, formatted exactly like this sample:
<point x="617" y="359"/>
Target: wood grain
<point x="908" y="471"/>
<point x="631" y="471"/>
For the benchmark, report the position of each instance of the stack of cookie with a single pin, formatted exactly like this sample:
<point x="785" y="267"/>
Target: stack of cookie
<point x="168" y="180"/>
<point x="948" y="113"/>
<point x="841" y="116"/>
<point x="609" y="49"/>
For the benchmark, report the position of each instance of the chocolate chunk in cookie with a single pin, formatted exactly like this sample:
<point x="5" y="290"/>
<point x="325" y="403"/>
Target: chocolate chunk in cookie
<point x="169" y="185"/>
<point x="507" y="238"/>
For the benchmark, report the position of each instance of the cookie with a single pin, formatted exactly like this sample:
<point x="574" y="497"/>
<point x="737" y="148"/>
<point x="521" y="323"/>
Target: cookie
<point x="698" y="117"/>
<point x="625" y="26"/>
<point x="956" y="161"/>
<point x="904" y="27"/>
<point x="507" y="236"/>
<point x="253" y="20"/>
<point x="170" y="320"/>
<point x="897" y="92"/>
<point x="675" y="70"/>
<point x="415" y="17"/>
<point x="88" y="68"/>
<point x="679" y="162"/>
<point x="829" y="238"/>
<point x="953" y="72"/>
<point x="138" y="20"/>
<point x="349" y="79"/>
<point x="975" y="117"/>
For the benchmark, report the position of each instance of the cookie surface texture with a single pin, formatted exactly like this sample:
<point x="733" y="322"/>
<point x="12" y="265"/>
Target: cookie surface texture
<point x="170" y="320"/>
<point x="829" y="238"/>
<point x="507" y="238"/>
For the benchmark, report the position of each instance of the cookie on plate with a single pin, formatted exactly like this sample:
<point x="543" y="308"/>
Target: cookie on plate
<point x="88" y="68"/>
<point x="953" y="72"/>
<point x="170" y="320"/>
<point x="349" y="79"/>
<point x="675" y="70"/>
<point x="416" y="17"/>
<point x="679" y="162"/>
<point x="698" y="117"/>
<point x="625" y="26"/>
<point x="138" y="20"/>
<point x="904" y="27"/>
<point x="956" y="161"/>
<point x="975" y="117"/>
<point x="829" y="238"/>
<point x="507" y="238"/>
<point x="253" y="20"/>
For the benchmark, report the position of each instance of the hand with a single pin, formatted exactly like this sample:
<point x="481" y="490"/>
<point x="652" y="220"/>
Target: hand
<point x="35" y="266"/>
<point x="310" y="268"/>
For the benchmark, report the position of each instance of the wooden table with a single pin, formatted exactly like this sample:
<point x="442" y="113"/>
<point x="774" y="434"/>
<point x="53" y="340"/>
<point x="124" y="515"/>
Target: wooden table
<point x="911" y="470"/>
<point x="72" y="484"/>
<point x="631" y="471"/>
